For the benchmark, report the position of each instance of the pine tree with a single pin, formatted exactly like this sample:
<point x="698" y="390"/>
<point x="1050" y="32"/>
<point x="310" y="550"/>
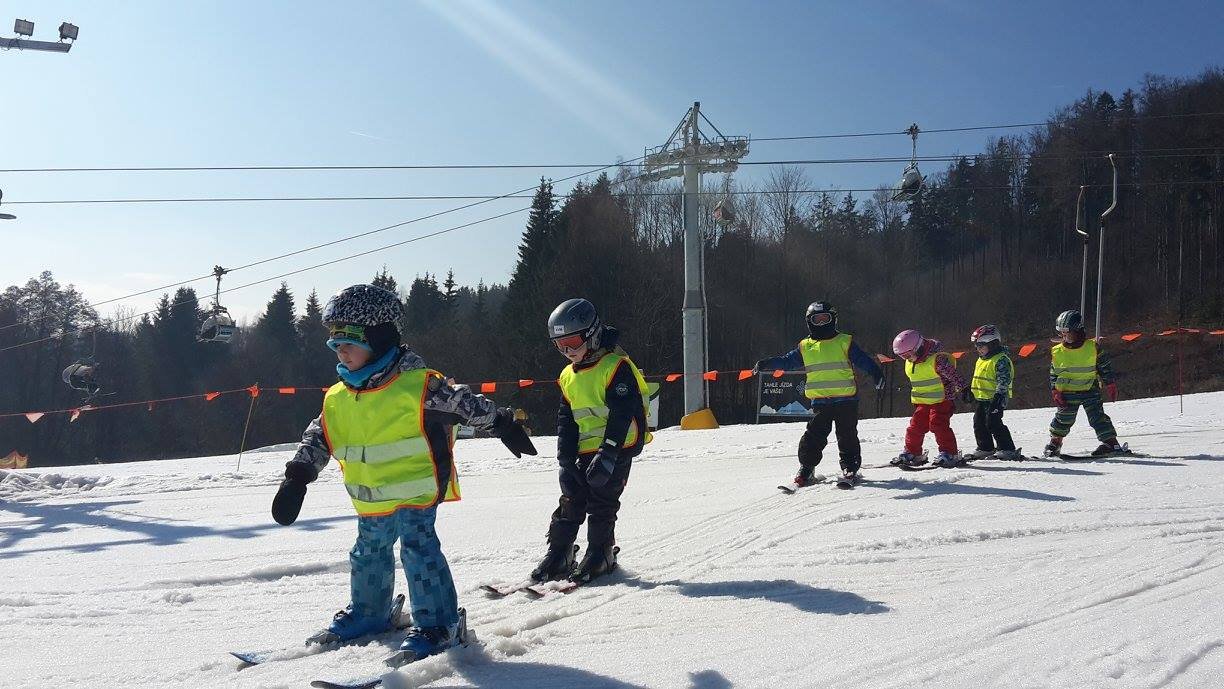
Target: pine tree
<point x="385" y="281"/>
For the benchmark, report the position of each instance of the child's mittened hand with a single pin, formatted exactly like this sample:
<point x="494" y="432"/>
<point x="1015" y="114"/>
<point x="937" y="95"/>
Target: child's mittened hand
<point x="288" y="501"/>
<point x="1111" y="389"/>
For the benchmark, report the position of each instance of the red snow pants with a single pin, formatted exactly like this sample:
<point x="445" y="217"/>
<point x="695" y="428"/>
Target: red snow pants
<point x="936" y="418"/>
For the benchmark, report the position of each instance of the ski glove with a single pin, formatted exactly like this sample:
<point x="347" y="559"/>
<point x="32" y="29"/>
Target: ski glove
<point x="601" y="467"/>
<point x="1111" y="389"/>
<point x="1058" y="398"/>
<point x="288" y="501"/>
<point x="512" y="434"/>
<point x="998" y="403"/>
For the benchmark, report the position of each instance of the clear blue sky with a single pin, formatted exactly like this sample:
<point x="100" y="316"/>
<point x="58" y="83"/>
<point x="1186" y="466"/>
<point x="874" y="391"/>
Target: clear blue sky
<point x="468" y="81"/>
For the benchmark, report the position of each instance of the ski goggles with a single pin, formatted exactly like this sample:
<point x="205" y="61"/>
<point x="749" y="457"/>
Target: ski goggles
<point x="820" y="318"/>
<point x="569" y="343"/>
<point x="344" y="331"/>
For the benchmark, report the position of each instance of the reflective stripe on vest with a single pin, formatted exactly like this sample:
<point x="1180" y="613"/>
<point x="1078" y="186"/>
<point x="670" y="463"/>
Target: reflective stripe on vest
<point x="985" y="382"/>
<point x="926" y="387"/>
<point x="1074" y="369"/>
<point x="827" y="364"/>
<point x="586" y="391"/>
<point x="377" y="437"/>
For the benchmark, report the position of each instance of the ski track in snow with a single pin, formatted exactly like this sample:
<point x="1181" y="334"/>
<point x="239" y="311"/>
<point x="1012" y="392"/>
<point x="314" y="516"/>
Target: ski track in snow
<point x="1097" y="573"/>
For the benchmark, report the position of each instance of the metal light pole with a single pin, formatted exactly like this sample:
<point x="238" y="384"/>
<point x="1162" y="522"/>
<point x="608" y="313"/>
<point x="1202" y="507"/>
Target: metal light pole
<point x="1101" y="249"/>
<point x="22" y="27"/>
<point x="1079" y="229"/>
<point x="688" y="153"/>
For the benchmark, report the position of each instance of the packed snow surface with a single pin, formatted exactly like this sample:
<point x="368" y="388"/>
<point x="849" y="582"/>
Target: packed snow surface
<point x="1045" y="573"/>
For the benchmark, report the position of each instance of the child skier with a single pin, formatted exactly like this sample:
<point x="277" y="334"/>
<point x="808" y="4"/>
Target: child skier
<point x="601" y="427"/>
<point x="991" y="388"/>
<point x="827" y="356"/>
<point x="934" y="384"/>
<point x="389" y="423"/>
<point x="1078" y="367"/>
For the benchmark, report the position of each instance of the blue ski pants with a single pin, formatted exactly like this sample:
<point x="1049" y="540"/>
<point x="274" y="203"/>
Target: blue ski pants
<point x="431" y="590"/>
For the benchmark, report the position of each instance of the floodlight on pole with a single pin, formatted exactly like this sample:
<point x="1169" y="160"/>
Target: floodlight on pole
<point x="69" y="32"/>
<point x="23" y="27"/>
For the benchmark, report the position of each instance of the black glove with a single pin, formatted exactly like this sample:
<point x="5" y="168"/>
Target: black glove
<point x="601" y="467"/>
<point x="967" y="396"/>
<point x="511" y="433"/>
<point x="998" y="403"/>
<point x="288" y="501"/>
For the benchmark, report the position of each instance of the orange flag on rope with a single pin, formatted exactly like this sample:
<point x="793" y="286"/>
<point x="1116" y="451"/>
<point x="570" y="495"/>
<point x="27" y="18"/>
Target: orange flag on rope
<point x="1217" y="332"/>
<point x="488" y="388"/>
<point x="710" y="375"/>
<point x="778" y="373"/>
<point x="957" y="355"/>
<point x="287" y="391"/>
<point x="526" y="382"/>
<point x="74" y="415"/>
<point x="1167" y="332"/>
<point x="34" y="416"/>
<point x="885" y="359"/>
<point x="1027" y="349"/>
<point x="254" y="390"/>
<point x="1131" y="337"/>
<point x="210" y="396"/>
<point x="673" y="377"/>
<point x="745" y="374"/>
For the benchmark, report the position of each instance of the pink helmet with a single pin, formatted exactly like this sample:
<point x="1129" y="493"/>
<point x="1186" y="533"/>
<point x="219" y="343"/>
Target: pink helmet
<point x="907" y="342"/>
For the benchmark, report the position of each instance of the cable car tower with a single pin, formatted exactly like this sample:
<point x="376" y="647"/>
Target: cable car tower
<point x="688" y="153"/>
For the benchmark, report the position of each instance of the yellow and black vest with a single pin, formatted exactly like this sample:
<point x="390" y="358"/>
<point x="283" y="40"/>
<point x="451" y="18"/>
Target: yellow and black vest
<point x="378" y="437"/>
<point x="1074" y="369"/>
<point x="827" y="363"/>
<point x="984" y="382"/>
<point x="925" y="385"/>
<point x="586" y="391"/>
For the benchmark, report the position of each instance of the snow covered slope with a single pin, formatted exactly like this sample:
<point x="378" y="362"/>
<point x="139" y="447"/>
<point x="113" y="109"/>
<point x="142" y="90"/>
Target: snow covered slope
<point x="1037" y="574"/>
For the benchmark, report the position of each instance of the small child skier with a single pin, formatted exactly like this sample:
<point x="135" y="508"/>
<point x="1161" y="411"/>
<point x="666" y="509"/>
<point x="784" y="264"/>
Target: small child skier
<point x="601" y="427"/>
<point x="827" y="355"/>
<point x="1078" y="368"/>
<point x="935" y="384"/>
<point x="389" y="422"/>
<point x="991" y="388"/>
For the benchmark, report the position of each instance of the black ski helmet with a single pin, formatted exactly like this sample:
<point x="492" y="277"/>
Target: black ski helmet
<point x="575" y="317"/>
<point x="821" y="315"/>
<point x="1070" y="320"/>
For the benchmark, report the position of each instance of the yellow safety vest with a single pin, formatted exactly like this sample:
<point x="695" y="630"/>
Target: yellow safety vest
<point x="984" y="383"/>
<point x="1074" y="369"/>
<point x="926" y="387"/>
<point x="586" y="392"/>
<point x="378" y="437"/>
<point x="827" y="363"/>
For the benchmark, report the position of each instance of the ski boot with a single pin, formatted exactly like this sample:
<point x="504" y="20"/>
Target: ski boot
<point x="848" y="478"/>
<point x="906" y="459"/>
<point x="805" y="477"/>
<point x="979" y="454"/>
<point x="346" y="625"/>
<point x="557" y="563"/>
<point x="1053" y="448"/>
<point x="1009" y="455"/>
<point x="423" y="642"/>
<point x="598" y="560"/>
<point x="1110" y="447"/>
<point x="947" y="460"/>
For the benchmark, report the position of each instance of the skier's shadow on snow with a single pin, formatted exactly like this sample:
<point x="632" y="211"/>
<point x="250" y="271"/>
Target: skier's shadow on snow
<point x="928" y="488"/>
<point x="1058" y="471"/>
<point x="108" y="514"/>
<point x="479" y="669"/>
<point x="802" y="596"/>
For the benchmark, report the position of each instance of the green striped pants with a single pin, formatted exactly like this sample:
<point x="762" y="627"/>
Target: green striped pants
<point x="1094" y="407"/>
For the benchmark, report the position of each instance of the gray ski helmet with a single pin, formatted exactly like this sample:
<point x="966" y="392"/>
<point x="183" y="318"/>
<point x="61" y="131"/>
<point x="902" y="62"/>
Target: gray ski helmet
<point x="819" y="308"/>
<point x="363" y="305"/>
<point x="575" y="317"/>
<point x="1069" y="320"/>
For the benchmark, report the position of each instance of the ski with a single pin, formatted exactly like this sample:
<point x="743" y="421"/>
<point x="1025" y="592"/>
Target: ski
<point x="792" y="487"/>
<point x="538" y="591"/>
<point x="1123" y="451"/>
<point x="367" y="683"/>
<point x="396" y="660"/>
<point x="848" y="482"/>
<point x="309" y="649"/>
<point x="493" y="591"/>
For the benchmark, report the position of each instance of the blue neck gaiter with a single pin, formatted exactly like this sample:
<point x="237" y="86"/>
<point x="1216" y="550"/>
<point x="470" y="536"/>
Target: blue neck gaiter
<point x="359" y="377"/>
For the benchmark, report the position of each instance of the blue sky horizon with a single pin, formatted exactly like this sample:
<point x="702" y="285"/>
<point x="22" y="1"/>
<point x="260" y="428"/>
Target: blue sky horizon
<point x="476" y="82"/>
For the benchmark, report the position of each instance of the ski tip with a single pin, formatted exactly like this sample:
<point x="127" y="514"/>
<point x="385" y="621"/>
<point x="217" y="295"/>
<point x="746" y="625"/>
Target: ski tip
<point x="247" y="658"/>
<point x="789" y="490"/>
